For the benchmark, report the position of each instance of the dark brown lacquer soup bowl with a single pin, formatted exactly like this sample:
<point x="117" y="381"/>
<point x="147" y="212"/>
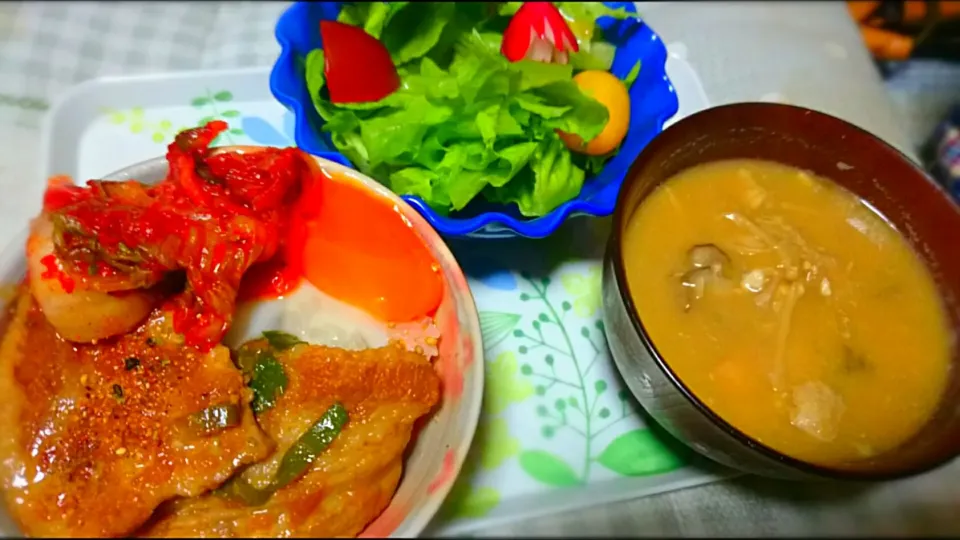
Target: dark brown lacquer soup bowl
<point x="829" y="147"/>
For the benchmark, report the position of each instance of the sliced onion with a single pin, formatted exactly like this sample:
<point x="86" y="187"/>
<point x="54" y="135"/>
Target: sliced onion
<point x="540" y="51"/>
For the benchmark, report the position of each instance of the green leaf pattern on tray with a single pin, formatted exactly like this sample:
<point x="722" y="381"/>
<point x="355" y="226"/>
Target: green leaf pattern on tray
<point x="474" y="503"/>
<point x="548" y="468"/>
<point x="543" y="351"/>
<point x="584" y="290"/>
<point x="496" y="326"/>
<point x="637" y="453"/>
<point x="160" y="131"/>
<point x="540" y="313"/>
<point x="576" y="407"/>
<point x="504" y="386"/>
<point x="211" y="105"/>
<point x="497" y="445"/>
<point x="216" y="106"/>
<point x="493" y="443"/>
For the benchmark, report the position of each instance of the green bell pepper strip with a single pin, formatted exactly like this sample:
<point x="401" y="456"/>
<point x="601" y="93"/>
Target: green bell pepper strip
<point x="214" y="419"/>
<point x="295" y="460"/>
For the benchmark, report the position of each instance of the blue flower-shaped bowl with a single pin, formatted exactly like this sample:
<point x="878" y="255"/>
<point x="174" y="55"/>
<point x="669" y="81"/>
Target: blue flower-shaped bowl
<point x="652" y="102"/>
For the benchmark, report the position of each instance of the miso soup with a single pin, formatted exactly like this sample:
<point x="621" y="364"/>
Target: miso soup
<point x="789" y="307"/>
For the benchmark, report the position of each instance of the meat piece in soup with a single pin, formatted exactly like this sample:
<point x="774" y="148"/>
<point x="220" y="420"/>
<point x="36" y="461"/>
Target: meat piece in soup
<point x="97" y="436"/>
<point x="790" y="308"/>
<point x="349" y="483"/>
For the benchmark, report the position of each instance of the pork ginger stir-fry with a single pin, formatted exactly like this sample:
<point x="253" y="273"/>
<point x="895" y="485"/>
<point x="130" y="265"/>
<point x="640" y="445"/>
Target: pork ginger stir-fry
<point x="124" y="413"/>
<point x="319" y="482"/>
<point x="97" y="436"/>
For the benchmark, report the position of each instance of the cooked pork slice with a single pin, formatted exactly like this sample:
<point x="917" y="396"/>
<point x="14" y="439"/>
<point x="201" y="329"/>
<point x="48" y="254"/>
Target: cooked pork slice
<point x="95" y="437"/>
<point x="351" y="481"/>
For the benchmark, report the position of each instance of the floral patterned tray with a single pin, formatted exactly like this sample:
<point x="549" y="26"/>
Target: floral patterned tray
<point x="559" y="430"/>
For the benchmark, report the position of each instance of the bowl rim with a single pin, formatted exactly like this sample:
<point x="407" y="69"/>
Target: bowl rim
<point x="12" y="257"/>
<point x="603" y="203"/>
<point x="417" y="523"/>
<point x="615" y="255"/>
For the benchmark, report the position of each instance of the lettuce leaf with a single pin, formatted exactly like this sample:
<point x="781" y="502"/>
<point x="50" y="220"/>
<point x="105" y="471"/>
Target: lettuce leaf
<point x="552" y="179"/>
<point x="466" y="122"/>
<point x="371" y="16"/>
<point x="597" y="55"/>
<point x="590" y="11"/>
<point x="414" y="30"/>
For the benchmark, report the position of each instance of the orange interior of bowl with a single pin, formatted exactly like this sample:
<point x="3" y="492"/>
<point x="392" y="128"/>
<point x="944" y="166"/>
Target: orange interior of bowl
<point x="855" y="160"/>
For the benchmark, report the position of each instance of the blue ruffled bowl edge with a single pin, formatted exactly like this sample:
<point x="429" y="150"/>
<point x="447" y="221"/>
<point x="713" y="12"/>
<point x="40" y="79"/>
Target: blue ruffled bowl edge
<point x="492" y="224"/>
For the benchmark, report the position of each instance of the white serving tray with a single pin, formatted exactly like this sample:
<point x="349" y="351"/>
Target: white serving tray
<point x="531" y="456"/>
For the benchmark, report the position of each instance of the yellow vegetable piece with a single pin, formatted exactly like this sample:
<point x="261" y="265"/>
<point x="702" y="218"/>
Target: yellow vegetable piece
<point x="582" y="29"/>
<point x="612" y="93"/>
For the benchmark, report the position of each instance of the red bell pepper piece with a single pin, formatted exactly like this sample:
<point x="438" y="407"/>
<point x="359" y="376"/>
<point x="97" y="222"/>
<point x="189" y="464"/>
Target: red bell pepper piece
<point x="357" y="66"/>
<point x="538" y="32"/>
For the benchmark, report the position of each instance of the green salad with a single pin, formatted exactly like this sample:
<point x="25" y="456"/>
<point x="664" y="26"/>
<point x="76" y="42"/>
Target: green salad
<point x="456" y="119"/>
